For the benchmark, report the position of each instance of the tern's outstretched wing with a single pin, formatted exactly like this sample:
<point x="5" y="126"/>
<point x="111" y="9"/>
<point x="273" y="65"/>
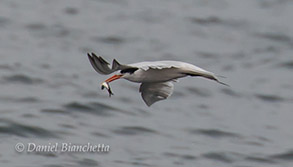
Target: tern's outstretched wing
<point x="102" y="66"/>
<point x="99" y="64"/>
<point x="153" y="92"/>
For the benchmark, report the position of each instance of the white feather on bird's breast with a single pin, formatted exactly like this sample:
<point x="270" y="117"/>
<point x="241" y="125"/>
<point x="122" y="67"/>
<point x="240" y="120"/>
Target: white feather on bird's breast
<point x="155" y="75"/>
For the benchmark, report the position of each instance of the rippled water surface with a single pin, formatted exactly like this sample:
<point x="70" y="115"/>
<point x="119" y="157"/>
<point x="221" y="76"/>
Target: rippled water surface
<point x="50" y="93"/>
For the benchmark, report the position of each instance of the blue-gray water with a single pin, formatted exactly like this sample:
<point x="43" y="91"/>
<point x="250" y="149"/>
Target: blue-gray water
<point x="51" y="94"/>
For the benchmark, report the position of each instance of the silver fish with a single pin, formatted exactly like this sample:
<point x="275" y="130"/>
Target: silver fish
<point x="107" y="86"/>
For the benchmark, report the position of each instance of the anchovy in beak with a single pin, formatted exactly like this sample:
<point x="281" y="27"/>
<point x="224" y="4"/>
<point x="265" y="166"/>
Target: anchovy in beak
<point x="107" y="86"/>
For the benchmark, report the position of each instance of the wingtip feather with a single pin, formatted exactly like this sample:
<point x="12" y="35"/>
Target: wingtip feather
<point x="115" y="64"/>
<point x="224" y="84"/>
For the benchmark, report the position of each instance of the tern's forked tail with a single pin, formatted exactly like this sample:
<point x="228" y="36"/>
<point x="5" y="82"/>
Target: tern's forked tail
<point x="208" y="75"/>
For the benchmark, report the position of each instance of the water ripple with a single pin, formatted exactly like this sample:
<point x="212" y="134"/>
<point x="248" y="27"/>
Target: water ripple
<point x="286" y="156"/>
<point x="4" y="21"/>
<point x="269" y="98"/>
<point x="134" y="130"/>
<point x="42" y="30"/>
<point x="202" y="92"/>
<point x="23" y="79"/>
<point x="277" y="37"/>
<point x="20" y="100"/>
<point x="54" y="111"/>
<point x="109" y="40"/>
<point x="288" y="65"/>
<point x="214" y="133"/>
<point x="93" y="108"/>
<point x="260" y="159"/>
<point x="131" y="163"/>
<point x="231" y="157"/>
<point x="226" y="157"/>
<point x="18" y="129"/>
<point x="6" y="67"/>
<point x="71" y="11"/>
<point x="214" y="20"/>
<point x="96" y="108"/>
<point x="54" y="165"/>
<point x="180" y="156"/>
<point x="206" y="21"/>
<point x="88" y="162"/>
<point x="230" y="92"/>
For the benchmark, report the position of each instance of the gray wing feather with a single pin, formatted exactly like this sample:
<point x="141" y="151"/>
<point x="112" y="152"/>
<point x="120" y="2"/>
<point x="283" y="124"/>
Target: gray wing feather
<point x="99" y="64"/>
<point x="153" y="92"/>
<point x="102" y="66"/>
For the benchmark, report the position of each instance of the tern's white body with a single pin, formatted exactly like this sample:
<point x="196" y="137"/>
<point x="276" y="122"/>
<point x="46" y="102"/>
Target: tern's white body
<point x="156" y="77"/>
<point x="161" y="71"/>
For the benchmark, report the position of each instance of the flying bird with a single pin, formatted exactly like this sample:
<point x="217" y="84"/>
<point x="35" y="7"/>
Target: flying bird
<point x="156" y="77"/>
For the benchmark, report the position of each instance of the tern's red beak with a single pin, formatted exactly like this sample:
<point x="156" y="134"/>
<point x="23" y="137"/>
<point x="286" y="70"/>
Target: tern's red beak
<point x="114" y="77"/>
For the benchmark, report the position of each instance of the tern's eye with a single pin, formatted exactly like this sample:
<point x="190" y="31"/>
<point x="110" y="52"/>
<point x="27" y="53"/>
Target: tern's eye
<point x="128" y="70"/>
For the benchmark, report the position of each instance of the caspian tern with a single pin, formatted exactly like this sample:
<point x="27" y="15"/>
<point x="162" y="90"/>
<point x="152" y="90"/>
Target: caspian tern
<point x="155" y="77"/>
